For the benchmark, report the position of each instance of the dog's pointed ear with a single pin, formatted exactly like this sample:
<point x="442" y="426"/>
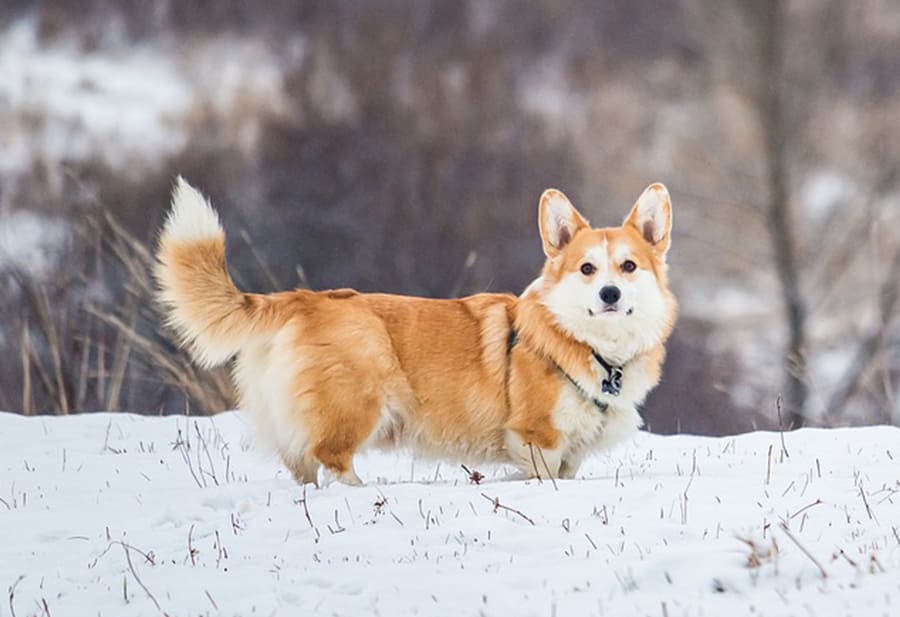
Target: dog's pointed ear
<point x="559" y="221"/>
<point x="652" y="217"/>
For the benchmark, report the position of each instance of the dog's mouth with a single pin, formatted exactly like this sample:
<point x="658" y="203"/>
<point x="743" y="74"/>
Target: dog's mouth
<point x="610" y="309"/>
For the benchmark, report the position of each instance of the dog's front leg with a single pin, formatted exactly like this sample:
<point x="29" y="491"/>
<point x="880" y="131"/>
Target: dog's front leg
<point x="532" y="460"/>
<point x="569" y="467"/>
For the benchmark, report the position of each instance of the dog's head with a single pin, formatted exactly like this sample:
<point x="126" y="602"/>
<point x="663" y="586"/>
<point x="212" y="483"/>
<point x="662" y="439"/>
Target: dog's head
<point x="607" y="287"/>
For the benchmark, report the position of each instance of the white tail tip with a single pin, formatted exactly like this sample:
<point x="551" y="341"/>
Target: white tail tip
<point x="192" y="217"/>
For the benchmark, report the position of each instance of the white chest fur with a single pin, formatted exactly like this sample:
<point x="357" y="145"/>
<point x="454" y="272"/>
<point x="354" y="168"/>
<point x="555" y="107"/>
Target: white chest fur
<point x="585" y="427"/>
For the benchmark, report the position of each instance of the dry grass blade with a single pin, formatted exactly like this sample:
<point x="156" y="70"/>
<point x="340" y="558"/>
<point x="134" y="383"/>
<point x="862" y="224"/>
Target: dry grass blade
<point x="12" y="595"/>
<point x="803" y="549"/>
<point x="25" y="352"/>
<point x="134" y="573"/>
<point x="54" y="384"/>
<point x="53" y="339"/>
<point x="122" y="355"/>
<point x="214" y="393"/>
<point x="495" y="501"/>
<point x="273" y="281"/>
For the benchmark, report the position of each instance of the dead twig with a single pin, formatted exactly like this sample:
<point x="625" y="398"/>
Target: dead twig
<point x="148" y="557"/>
<point x="779" y="404"/>
<point x="846" y="557"/>
<point x="475" y="476"/>
<point x="495" y="501"/>
<point x="182" y="446"/>
<point x="12" y="594"/>
<point x="803" y="549"/>
<point x="212" y="468"/>
<point x="211" y="601"/>
<point x="806" y="507"/>
<point x="192" y="551"/>
<point x="537" y="474"/>
<point x="862" y="493"/>
<point x="138" y="579"/>
<point x="302" y="501"/>
<point x="547" y="468"/>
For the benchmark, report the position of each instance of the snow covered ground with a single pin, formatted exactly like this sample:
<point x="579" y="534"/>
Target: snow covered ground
<point x="119" y="515"/>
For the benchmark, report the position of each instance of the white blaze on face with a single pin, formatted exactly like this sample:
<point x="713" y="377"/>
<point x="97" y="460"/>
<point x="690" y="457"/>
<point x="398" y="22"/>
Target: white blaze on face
<point x="639" y="318"/>
<point x="599" y="257"/>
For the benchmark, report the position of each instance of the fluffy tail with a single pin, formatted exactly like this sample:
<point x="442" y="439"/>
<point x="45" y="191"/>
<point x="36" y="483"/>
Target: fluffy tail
<point x="211" y="316"/>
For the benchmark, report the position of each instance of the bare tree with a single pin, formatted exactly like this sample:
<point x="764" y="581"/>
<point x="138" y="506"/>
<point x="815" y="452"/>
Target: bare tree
<point x="789" y="63"/>
<point x="768" y="20"/>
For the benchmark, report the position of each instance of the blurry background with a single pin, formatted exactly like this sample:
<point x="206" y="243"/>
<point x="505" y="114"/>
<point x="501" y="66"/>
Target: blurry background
<point x="401" y="146"/>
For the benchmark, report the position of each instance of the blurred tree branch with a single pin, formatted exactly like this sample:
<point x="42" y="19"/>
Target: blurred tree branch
<point x="870" y="346"/>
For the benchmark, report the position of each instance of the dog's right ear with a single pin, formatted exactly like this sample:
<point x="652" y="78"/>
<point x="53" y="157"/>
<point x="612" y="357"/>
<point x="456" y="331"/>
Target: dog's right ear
<point x="652" y="217"/>
<point x="559" y="221"/>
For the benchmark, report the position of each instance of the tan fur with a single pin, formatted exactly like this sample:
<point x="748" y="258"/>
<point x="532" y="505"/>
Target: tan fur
<point x="328" y="373"/>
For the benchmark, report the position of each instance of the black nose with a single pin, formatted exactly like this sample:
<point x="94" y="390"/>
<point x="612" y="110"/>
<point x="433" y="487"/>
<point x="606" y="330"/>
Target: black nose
<point x="610" y="294"/>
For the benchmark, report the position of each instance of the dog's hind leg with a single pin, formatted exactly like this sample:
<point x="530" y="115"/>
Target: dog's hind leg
<point x="340" y="428"/>
<point x="348" y="477"/>
<point x="339" y="464"/>
<point x="305" y="469"/>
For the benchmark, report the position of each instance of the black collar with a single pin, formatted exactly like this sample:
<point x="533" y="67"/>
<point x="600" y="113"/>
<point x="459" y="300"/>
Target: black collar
<point x="612" y="385"/>
<point x="600" y="405"/>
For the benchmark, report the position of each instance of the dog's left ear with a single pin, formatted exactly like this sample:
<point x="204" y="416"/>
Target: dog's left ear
<point x="652" y="217"/>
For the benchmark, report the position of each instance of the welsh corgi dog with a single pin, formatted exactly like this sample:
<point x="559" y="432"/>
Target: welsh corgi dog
<point x="538" y="380"/>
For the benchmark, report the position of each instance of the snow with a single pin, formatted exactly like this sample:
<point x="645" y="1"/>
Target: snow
<point x="86" y="102"/>
<point x="128" y="105"/>
<point x="824" y="191"/>
<point x="30" y="242"/>
<point x="131" y="105"/>
<point x="658" y="527"/>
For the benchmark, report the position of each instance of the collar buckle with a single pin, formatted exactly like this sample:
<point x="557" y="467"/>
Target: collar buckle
<point x="612" y="385"/>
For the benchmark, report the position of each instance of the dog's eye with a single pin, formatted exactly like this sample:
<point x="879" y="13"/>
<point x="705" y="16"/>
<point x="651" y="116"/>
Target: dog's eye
<point x="629" y="266"/>
<point x="587" y="269"/>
